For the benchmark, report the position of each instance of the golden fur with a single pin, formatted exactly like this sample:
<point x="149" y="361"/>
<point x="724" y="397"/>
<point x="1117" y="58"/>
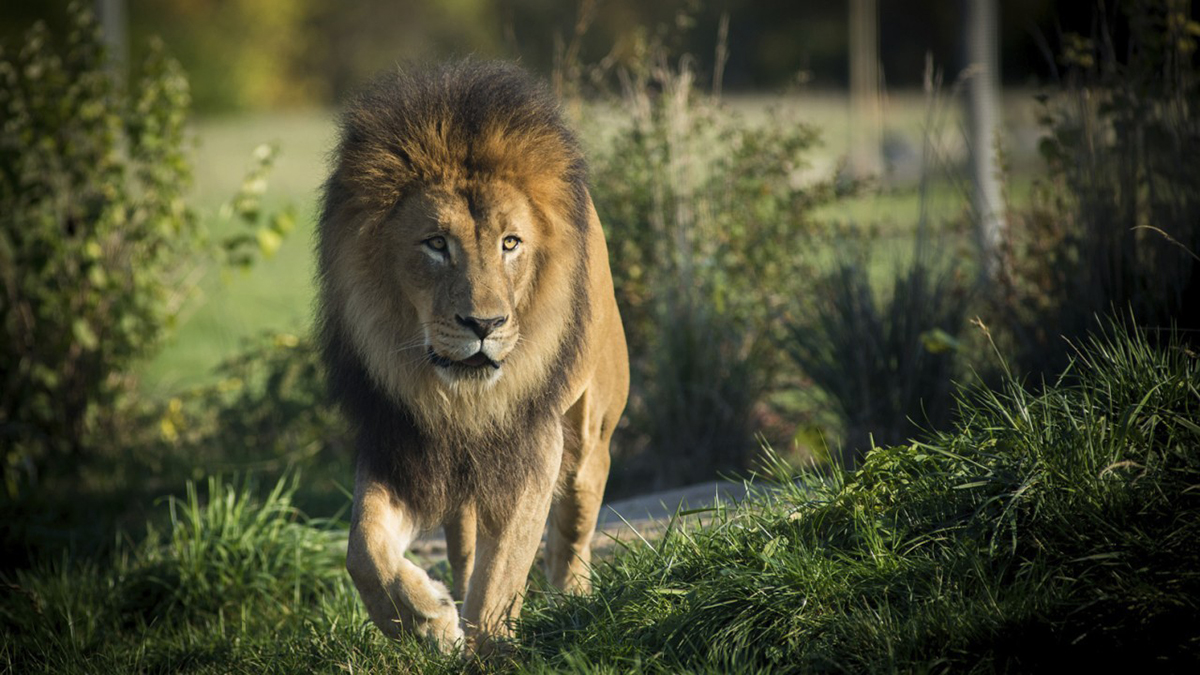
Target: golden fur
<point x="470" y="333"/>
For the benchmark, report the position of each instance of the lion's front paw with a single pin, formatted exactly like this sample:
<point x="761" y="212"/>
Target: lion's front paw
<point x="441" y="628"/>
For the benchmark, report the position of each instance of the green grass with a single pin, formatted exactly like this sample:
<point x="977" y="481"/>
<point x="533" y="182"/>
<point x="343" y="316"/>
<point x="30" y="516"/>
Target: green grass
<point x="276" y="294"/>
<point x="234" y="584"/>
<point x="1049" y="531"/>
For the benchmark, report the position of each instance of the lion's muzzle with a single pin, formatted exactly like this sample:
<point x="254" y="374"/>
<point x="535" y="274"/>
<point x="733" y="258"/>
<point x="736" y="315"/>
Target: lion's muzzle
<point x="481" y="327"/>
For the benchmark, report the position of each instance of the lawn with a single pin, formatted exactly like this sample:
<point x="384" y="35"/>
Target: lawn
<point x="277" y="294"/>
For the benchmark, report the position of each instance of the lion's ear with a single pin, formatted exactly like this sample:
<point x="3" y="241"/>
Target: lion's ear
<point x="374" y="177"/>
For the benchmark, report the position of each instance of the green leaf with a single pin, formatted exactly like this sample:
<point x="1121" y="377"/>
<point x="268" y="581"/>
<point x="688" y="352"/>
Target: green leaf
<point x="84" y="335"/>
<point x="255" y="186"/>
<point x="268" y="241"/>
<point x="938" y="341"/>
<point x="772" y="547"/>
<point x="284" y="221"/>
<point x="97" y="276"/>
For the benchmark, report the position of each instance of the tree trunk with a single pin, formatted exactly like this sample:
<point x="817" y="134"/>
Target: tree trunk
<point x="866" y="118"/>
<point x="985" y="120"/>
<point x="114" y="23"/>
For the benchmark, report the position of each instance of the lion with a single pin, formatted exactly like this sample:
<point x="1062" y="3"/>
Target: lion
<point x="470" y="332"/>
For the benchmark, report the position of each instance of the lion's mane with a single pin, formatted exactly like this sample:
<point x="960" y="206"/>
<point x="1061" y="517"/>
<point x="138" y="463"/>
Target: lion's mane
<point x="463" y="122"/>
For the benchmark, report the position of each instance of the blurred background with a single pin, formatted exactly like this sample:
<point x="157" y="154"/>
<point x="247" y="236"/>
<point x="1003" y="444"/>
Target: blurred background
<point x="823" y="219"/>
<point x="247" y="55"/>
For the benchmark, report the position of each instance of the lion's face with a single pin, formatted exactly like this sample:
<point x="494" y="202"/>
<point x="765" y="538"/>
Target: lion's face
<point x="464" y="261"/>
<point x="453" y="253"/>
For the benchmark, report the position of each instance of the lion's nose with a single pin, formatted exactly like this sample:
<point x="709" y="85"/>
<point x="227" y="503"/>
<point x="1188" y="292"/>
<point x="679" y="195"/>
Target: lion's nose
<point x="481" y="327"/>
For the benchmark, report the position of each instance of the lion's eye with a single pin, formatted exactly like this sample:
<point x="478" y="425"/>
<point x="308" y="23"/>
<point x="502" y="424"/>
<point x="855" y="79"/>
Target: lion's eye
<point x="436" y="243"/>
<point x="510" y="243"/>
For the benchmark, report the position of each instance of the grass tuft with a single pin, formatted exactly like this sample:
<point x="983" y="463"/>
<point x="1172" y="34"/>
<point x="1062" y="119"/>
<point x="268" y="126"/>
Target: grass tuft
<point x="229" y="551"/>
<point x="234" y="583"/>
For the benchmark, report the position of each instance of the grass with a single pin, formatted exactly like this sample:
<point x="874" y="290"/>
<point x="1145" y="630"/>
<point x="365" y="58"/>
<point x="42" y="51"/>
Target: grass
<point x="1048" y="531"/>
<point x="276" y="294"/>
<point x="234" y="584"/>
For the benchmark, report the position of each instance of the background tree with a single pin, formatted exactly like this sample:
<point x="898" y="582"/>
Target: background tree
<point x="985" y="122"/>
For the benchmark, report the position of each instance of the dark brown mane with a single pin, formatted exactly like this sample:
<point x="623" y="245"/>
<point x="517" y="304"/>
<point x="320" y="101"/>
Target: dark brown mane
<point x="465" y="120"/>
<point x="469" y="122"/>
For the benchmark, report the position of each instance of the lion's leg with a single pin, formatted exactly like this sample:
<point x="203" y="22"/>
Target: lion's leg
<point x="399" y="596"/>
<point x="507" y="545"/>
<point x="460" y="548"/>
<point x="573" y="521"/>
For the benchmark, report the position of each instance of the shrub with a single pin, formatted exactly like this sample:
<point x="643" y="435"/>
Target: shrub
<point x="1119" y="208"/>
<point x="699" y="402"/>
<point x="97" y="246"/>
<point x="705" y="218"/>
<point x="92" y="226"/>
<point x="885" y="362"/>
<point x="269" y="402"/>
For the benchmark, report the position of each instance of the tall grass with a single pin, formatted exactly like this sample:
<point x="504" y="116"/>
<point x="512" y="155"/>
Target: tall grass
<point x="708" y="376"/>
<point x="1046" y="531"/>
<point x="885" y="360"/>
<point x="233" y="583"/>
<point x="230" y="550"/>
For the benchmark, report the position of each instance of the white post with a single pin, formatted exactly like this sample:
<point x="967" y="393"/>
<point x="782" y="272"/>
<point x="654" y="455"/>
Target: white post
<point x="866" y="117"/>
<point x="114" y="23"/>
<point x="985" y="120"/>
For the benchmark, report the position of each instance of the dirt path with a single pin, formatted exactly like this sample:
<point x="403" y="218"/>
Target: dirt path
<point x="623" y="520"/>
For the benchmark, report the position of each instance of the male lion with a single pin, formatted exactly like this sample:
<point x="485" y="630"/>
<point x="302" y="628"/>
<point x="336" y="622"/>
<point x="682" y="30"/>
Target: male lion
<point x="471" y="335"/>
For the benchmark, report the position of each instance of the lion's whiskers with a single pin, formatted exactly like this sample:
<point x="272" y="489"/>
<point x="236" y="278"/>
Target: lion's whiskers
<point x="418" y="340"/>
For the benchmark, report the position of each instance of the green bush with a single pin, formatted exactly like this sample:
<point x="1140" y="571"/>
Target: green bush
<point x="885" y="362"/>
<point x="98" y="250"/>
<point x="693" y="196"/>
<point x="269" y="403"/>
<point x="705" y="218"/>
<point x="1115" y="225"/>
<point x="93" y="229"/>
<point x="707" y="377"/>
